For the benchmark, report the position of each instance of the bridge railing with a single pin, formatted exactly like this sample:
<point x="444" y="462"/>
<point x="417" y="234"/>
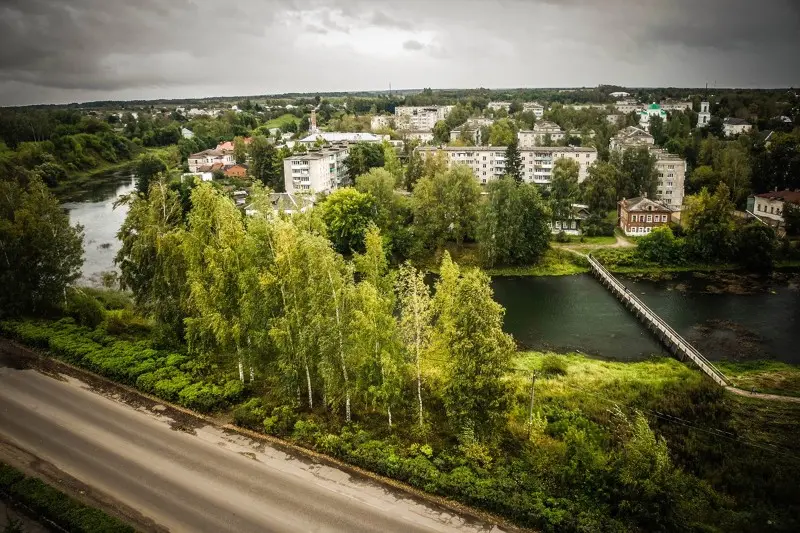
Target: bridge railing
<point x="698" y="358"/>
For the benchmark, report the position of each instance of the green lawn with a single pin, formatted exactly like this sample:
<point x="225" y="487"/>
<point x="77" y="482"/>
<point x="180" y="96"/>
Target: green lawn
<point x="281" y="120"/>
<point x="772" y="377"/>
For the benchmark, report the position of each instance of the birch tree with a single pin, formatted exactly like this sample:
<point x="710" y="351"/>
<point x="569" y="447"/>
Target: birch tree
<point x="415" y="327"/>
<point x="213" y="247"/>
<point x="375" y="336"/>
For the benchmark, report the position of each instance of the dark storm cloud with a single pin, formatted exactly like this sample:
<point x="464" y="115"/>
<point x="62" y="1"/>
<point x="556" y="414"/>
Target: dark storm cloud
<point x="59" y="50"/>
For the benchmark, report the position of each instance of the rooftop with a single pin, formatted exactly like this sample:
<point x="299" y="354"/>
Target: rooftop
<point x="733" y="121"/>
<point x="503" y="148"/>
<point x="339" y="136"/>
<point x="640" y="203"/>
<point x="783" y="196"/>
<point x="318" y="154"/>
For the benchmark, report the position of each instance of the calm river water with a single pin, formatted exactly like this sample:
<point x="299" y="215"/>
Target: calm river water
<point x="94" y="209"/>
<point x="568" y="313"/>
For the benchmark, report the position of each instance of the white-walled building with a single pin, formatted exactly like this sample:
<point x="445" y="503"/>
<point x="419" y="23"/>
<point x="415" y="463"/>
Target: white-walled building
<point x="536" y="136"/>
<point x="704" y="116"/>
<point x="631" y="137"/>
<point x="317" y="171"/>
<point x="619" y="94"/>
<point x="488" y="162"/>
<point x="420" y="136"/>
<point x="669" y="105"/>
<point x="208" y="158"/>
<point x="734" y="126"/>
<point x="534" y="107"/>
<point x="381" y="121"/>
<point x="769" y="206"/>
<point x="628" y="106"/>
<point x="653" y="110"/>
<point x="670" y="167"/>
<point x="495" y="106"/>
<point x="343" y="137"/>
<point x="416" y="118"/>
<point x="671" y="177"/>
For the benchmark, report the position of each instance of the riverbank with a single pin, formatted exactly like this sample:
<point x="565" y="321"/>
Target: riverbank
<point x="584" y="412"/>
<point x="77" y="182"/>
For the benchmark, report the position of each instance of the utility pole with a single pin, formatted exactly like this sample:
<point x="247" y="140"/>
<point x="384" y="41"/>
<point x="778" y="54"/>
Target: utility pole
<point x="530" y="408"/>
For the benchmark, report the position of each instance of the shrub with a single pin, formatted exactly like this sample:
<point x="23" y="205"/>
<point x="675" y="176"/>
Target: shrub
<point x="201" y="396"/>
<point x="232" y="391"/>
<point x="111" y="300"/>
<point x="48" y="502"/>
<point x="125" y="322"/>
<point x="281" y="422"/>
<point x="561" y="237"/>
<point x="660" y="246"/>
<point x="250" y="414"/>
<point x="306" y="431"/>
<point x="86" y="310"/>
<point x="554" y="365"/>
<point x="170" y="388"/>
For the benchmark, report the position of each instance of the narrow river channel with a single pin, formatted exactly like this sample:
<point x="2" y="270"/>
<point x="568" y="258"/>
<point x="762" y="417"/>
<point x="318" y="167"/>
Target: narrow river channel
<point x="567" y="313"/>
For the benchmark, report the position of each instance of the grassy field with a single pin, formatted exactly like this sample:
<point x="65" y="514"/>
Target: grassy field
<point x="281" y="120"/>
<point x="772" y="377"/>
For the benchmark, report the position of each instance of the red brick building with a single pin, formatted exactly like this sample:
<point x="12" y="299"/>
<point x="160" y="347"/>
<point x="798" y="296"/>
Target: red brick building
<point x="638" y="216"/>
<point x="235" y="171"/>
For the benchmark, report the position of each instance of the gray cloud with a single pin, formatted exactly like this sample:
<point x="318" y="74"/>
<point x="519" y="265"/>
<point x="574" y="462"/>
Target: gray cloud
<point x="413" y="45"/>
<point x="56" y="51"/>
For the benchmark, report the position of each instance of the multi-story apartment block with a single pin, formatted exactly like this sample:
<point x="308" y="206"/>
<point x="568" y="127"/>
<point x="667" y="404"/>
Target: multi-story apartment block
<point x="494" y="106"/>
<point x="488" y="162"/>
<point x="536" y="108"/>
<point x="631" y="137"/>
<point x="627" y="106"/>
<point x="536" y="136"/>
<point x="381" y="121"/>
<point x="671" y="177"/>
<point x="671" y="168"/>
<point x="317" y="171"/>
<point x="420" y="117"/>
<point x="669" y="105"/>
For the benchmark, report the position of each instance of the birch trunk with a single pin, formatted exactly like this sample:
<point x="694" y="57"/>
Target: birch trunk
<point x="416" y="351"/>
<point x="341" y="350"/>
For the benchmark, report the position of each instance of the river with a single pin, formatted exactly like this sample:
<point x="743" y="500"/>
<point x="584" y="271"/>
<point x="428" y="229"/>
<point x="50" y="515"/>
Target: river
<point x="564" y="313"/>
<point x="93" y="208"/>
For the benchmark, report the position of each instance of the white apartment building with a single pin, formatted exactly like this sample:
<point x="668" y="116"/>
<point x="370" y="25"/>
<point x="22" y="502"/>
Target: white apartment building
<point x="671" y="177"/>
<point x="207" y="158"/>
<point x="494" y="106"/>
<point x="628" y="106"/>
<point x="669" y="105"/>
<point x="317" y="171"/>
<point x="671" y="168"/>
<point x="631" y="137"/>
<point x="488" y="162"/>
<point x="536" y="136"/>
<point x="381" y="121"/>
<point x="619" y="94"/>
<point x="534" y="107"/>
<point x="418" y="118"/>
<point x="423" y="137"/>
<point x="734" y="126"/>
<point x="343" y="137"/>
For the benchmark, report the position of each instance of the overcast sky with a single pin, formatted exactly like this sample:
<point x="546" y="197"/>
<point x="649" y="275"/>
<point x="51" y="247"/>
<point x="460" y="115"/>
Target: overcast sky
<point x="57" y="51"/>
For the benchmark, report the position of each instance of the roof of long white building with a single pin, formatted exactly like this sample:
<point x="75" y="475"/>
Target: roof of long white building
<point x="340" y="136"/>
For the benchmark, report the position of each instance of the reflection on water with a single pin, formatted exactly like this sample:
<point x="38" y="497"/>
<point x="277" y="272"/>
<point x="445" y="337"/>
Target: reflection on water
<point x="577" y="313"/>
<point x="94" y="210"/>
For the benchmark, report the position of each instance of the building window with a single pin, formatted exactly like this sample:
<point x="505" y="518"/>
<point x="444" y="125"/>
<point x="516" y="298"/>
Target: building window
<point x="649" y="218"/>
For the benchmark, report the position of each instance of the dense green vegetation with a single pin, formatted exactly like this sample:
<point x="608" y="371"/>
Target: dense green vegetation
<point x="56" y="506"/>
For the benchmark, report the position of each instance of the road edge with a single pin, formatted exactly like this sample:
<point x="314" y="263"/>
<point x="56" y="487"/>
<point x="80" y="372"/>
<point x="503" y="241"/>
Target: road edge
<point x="285" y="446"/>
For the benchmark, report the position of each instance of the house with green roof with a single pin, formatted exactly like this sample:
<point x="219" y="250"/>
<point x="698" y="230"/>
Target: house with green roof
<point x="653" y="110"/>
